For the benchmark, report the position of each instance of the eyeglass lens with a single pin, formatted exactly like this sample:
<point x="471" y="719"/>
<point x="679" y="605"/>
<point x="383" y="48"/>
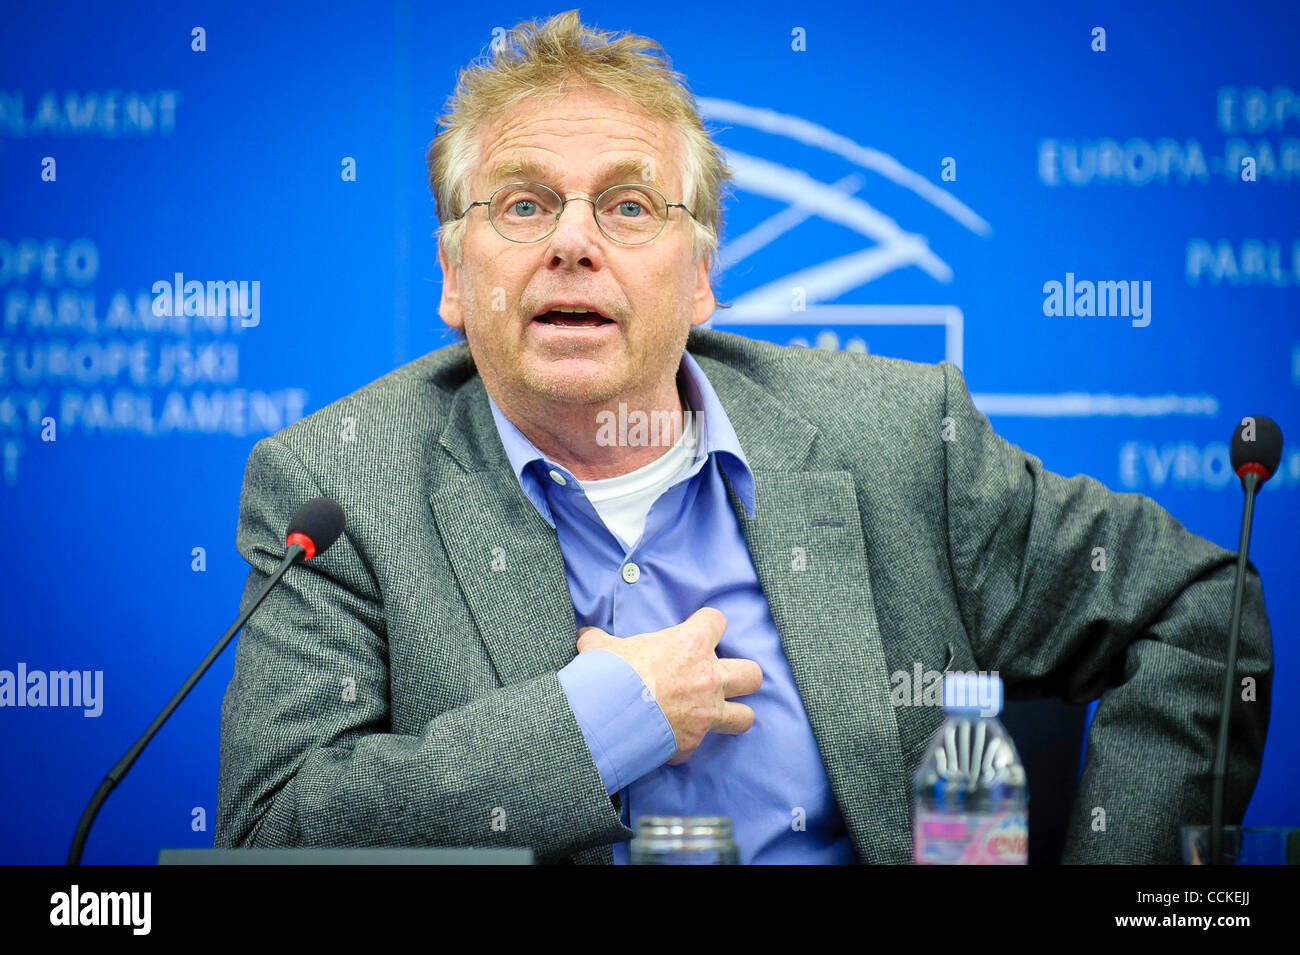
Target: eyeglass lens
<point x="528" y="211"/>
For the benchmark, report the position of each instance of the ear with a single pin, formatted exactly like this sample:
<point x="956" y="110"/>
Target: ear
<point x="449" y="307"/>
<point x="704" y="302"/>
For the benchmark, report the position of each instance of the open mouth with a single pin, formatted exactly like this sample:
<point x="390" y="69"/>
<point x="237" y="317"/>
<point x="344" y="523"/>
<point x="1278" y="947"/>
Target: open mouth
<point x="575" y="318"/>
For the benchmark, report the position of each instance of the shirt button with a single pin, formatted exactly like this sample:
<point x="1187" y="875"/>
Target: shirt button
<point x="558" y="478"/>
<point x="631" y="572"/>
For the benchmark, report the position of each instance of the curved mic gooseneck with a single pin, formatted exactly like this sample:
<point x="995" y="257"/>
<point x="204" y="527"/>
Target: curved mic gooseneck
<point x="315" y="526"/>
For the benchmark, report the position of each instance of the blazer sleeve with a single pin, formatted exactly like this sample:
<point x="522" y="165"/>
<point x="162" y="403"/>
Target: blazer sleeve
<point x="1068" y="589"/>
<point x="307" y="754"/>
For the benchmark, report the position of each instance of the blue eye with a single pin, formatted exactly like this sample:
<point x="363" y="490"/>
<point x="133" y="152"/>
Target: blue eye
<point x="636" y="208"/>
<point x="528" y="212"/>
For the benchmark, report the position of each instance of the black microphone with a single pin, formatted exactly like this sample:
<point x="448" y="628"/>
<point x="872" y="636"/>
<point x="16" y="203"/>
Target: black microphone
<point x="315" y="527"/>
<point x="1256" y="448"/>
<point x="317" y="524"/>
<point x="1256" y="451"/>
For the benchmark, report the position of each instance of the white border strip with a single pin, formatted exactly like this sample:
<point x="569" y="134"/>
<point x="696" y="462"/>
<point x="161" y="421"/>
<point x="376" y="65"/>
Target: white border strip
<point x="1077" y="404"/>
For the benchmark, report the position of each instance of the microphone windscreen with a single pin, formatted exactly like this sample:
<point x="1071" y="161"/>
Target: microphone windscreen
<point x="1257" y="440"/>
<point x="321" y="520"/>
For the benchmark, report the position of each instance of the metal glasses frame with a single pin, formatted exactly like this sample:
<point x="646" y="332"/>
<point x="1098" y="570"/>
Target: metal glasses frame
<point x="564" y="203"/>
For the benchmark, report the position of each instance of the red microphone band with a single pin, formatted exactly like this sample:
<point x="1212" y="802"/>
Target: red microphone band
<point x="305" y="542"/>
<point x="1250" y="467"/>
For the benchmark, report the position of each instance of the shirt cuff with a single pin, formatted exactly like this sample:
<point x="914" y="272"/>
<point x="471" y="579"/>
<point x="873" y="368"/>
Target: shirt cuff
<point x="624" y="726"/>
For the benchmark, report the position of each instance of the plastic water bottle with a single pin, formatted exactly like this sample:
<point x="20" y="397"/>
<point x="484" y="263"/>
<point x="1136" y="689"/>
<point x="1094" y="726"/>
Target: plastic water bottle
<point x="971" y="803"/>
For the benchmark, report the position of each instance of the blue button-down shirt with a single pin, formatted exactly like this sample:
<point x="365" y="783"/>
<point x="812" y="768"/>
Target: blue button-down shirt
<point x="769" y="780"/>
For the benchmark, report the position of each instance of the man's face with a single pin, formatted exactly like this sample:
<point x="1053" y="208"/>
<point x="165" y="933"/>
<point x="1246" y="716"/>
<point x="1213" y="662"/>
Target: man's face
<point x="653" y="293"/>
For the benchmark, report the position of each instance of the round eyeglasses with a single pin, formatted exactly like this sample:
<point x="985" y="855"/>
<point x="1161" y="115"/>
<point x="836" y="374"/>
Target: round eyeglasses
<point x="629" y="214"/>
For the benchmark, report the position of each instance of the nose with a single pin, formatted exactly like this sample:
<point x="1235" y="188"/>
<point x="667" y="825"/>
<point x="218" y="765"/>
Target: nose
<point x="576" y="240"/>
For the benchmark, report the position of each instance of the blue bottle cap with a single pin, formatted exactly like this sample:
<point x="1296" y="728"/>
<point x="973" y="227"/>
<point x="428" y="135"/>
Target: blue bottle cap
<point x="976" y="693"/>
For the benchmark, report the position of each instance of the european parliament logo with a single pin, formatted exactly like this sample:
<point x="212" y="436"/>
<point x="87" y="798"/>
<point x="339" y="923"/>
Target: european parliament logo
<point x="809" y="297"/>
<point x="806" y="306"/>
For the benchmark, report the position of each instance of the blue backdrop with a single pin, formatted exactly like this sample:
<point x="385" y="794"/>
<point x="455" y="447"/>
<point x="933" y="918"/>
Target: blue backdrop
<point x="921" y="173"/>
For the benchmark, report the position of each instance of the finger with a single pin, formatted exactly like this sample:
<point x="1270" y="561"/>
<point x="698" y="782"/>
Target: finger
<point x="735" y="718"/>
<point x="709" y="621"/>
<point x="740" y="677"/>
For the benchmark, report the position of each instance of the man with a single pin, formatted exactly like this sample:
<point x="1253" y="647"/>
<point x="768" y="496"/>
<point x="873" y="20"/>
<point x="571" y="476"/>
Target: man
<point x="553" y="610"/>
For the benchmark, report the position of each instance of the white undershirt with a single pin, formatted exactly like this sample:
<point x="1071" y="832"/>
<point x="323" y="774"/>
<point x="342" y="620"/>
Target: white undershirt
<point x="623" y="502"/>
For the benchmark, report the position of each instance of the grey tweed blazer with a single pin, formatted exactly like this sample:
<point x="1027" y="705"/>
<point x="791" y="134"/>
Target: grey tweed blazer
<point x="400" y="689"/>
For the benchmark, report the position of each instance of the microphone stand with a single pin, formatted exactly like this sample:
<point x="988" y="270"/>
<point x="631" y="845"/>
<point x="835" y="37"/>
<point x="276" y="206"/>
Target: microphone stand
<point x="294" y="552"/>
<point x="1249" y="481"/>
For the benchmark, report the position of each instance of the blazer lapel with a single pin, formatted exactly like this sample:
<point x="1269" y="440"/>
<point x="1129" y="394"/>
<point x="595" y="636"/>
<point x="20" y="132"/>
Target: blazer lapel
<point x="506" y="558"/>
<point x="806" y="541"/>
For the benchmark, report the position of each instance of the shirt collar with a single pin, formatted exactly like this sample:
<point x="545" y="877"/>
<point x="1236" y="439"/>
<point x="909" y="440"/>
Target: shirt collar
<point x="717" y="437"/>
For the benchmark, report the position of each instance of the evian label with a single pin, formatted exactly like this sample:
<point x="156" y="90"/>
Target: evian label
<point x="945" y="838"/>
